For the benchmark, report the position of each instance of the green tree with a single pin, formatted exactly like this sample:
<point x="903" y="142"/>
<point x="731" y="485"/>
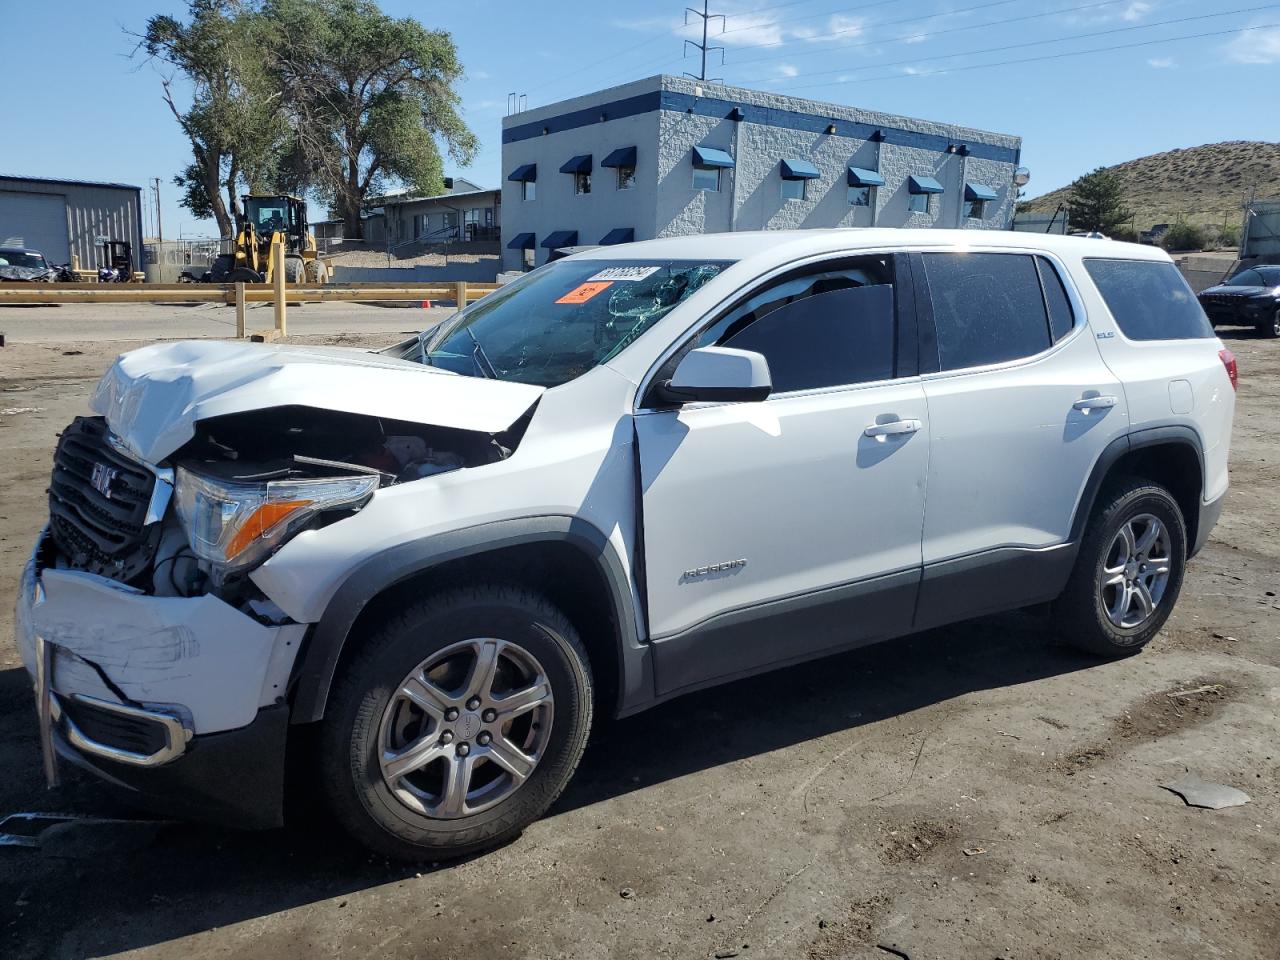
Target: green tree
<point x="370" y="98"/>
<point x="235" y="120"/>
<point x="1096" y="202"/>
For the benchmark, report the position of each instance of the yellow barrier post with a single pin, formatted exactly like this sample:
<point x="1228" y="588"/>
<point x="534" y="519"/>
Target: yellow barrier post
<point x="277" y="283"/>
<point x="240" y="310"/>
<point x="460" y="293"/>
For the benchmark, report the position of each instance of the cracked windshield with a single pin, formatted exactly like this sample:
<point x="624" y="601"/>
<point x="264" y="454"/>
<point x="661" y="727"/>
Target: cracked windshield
<point x="558" y="322"/>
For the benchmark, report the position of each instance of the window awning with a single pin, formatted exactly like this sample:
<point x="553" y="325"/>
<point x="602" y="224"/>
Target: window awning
<point x="923" y="185"/>
<point x="711" y="157"/>
<point x="522" y="241"/>
<point x="560" y="238"/>
<point x="580" y="164"/>
<point x="799" y="170"/>
<point x="858" y="177"/>
<point x="622" y="157"/>
<point x="976" y="191"/>
<point x="618" y="235"/>
<point x="526" y="171"/>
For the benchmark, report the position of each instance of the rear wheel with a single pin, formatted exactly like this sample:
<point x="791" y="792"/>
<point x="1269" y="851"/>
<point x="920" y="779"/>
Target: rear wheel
<point x="221" y="268"/>
<point x="1270" y="328"/>
<point x="244" y="275"/>
<point x="1129" y="571"/>
<point x="457" y="724"/>
<point x="317" y="272"/>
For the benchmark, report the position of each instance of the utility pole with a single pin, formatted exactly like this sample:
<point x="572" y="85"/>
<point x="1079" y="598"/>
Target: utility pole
<point x="707" y="16"/>
<point x="159" y="228"/>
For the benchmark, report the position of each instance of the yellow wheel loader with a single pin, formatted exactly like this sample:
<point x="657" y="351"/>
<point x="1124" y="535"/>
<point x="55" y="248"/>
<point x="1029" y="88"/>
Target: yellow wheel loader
<point x="267" y="220"/>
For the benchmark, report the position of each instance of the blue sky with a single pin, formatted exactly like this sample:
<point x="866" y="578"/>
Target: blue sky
<point x="78" y="106"/>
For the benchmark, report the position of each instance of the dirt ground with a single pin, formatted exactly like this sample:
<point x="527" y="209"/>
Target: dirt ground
<point x="973" y="792"/>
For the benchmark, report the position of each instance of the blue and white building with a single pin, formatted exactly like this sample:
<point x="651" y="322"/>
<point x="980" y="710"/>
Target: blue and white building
<point x="668" y="156"/>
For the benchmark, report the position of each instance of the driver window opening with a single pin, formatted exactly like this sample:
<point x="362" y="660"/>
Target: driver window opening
<point x="829" y="327"/>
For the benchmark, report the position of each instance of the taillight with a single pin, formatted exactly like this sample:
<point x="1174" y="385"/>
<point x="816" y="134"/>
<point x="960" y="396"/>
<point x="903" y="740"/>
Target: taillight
<point x="1233" y="372"/>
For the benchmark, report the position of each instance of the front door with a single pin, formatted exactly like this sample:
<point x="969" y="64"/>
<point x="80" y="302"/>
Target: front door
<point x="777" y="530"/>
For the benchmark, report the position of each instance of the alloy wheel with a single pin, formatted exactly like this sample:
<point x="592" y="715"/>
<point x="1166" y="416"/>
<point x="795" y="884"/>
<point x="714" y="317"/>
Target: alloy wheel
<point x="465" y="728"/>
<point x="1135" y="571"/>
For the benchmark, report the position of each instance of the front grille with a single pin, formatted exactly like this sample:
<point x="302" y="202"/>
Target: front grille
<point x="135" y="734"/>
<point x="98" y="499"/>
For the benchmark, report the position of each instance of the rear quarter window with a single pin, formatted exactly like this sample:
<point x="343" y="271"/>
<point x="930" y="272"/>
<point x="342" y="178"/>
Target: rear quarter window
<point x="1149" y="299"/>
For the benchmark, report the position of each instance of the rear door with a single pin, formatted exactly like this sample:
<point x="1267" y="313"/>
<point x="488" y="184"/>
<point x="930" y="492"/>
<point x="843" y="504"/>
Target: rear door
<point x="777" y="530"/>
<point x="1021" y="406"/>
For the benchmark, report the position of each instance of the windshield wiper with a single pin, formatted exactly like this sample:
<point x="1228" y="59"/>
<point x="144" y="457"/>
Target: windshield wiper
<point x="480" y="358"/>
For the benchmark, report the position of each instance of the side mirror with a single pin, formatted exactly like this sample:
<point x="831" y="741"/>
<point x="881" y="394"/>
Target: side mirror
<point x="718" y="374"/>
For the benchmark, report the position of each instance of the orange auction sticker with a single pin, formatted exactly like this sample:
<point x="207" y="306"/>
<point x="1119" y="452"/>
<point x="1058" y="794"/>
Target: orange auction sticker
<point x="584" y="292"/>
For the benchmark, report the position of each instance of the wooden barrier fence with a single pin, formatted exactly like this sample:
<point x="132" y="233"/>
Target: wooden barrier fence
<point x="241" y="294"/>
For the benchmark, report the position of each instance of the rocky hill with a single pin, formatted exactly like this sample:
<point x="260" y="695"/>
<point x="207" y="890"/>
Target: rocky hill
<point x="1203" y="185"/>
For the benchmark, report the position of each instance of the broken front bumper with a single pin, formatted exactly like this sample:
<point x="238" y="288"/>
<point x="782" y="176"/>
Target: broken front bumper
<point x="179" y="699"/>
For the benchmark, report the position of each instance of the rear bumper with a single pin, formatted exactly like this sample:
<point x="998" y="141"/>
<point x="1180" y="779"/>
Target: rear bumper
<point x="1209" y="514"/>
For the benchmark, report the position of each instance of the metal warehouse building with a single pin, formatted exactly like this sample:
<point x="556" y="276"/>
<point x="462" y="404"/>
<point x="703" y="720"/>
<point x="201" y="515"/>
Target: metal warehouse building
<point x="668" y="156"/>
<point x="65" y="217"/>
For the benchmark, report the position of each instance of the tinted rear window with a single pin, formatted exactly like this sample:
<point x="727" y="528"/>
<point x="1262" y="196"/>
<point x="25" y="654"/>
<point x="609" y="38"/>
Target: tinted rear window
<point x="1149" y="299"/>
<point x="987" y="307"/>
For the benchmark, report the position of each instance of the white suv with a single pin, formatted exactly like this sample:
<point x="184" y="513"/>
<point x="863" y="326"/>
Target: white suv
<point x="628" y="475"/>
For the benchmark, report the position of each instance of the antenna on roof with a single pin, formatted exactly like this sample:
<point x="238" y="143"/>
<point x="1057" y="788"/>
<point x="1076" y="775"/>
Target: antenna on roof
<point x="707" y="16"/>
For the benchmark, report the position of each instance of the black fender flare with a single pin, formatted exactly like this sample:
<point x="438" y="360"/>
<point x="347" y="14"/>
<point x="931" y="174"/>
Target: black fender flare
<point x="313" y="675"/>
<point x="1170" y="434"/>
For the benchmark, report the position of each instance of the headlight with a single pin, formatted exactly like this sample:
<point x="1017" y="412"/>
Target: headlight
<point x="234" y="525"/>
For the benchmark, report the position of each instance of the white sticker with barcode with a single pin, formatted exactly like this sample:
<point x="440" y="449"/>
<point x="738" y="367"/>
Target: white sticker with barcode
<point x="624" y="273"/>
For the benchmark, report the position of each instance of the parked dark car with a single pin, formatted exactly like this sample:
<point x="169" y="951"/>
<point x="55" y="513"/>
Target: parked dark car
<point x="1249" y="299"/>
<point x="19" y="263"/>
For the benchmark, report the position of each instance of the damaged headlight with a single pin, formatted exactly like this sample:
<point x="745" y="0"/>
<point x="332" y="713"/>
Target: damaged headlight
<point x="234" y="525"/>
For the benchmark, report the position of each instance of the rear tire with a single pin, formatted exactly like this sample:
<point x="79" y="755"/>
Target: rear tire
<point x="293" y="269"/>
<point x="221" y="268"/>
<point x="1128" y="573"/>
<point x="317" y="272"/>
<point x="1270" y="329"/>
<point x="422" y="761"/>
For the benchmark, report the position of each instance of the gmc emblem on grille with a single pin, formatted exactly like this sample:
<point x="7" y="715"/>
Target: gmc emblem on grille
<point x="102" y="478"/>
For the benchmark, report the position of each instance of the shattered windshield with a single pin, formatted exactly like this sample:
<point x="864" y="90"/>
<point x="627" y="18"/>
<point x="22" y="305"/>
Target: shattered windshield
<point x="21" y="258"/>
<point x="559" y="321"/>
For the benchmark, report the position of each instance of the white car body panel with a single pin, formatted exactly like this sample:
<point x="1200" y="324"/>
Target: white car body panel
<point x="1010" y="454"/>
<point x="153" y="397"/>
<point x="791" y="485"/>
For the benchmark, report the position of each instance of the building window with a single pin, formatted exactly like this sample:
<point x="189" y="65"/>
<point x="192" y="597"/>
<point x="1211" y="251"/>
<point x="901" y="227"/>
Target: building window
<point x="793" y="189"/>
<point x="626" y="178"/>
<point x="706" y="178"/>
<point x="975" y="209"/>
<point x="581" y="183"/>
<point x="859" y="196"/>
<point x="529" y="190"/>
<point x="526" y="257"/>
<point x="918" y="202"/>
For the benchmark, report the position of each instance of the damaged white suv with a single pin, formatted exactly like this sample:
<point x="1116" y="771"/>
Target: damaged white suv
<point x="628" y="475"/>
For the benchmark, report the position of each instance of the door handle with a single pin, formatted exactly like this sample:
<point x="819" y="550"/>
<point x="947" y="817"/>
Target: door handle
<point x="1094" y="403"/>
<point x="881" y="430"/>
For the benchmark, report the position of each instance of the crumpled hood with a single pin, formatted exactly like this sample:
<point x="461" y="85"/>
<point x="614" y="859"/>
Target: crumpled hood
<point x="153" y="397"/>
<point x="11" y="273"/>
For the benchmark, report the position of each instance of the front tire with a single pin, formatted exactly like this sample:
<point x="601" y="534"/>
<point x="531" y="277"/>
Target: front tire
<point x="1128" y="573"/>
<point x="456" y="724"/>
<point x="1270" y="328"/>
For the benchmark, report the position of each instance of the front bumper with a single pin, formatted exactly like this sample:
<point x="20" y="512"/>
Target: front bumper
<point x="179" y="700"/>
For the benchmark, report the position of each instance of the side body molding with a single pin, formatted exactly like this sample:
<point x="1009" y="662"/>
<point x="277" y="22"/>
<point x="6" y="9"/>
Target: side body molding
<point x="315" y="672"/>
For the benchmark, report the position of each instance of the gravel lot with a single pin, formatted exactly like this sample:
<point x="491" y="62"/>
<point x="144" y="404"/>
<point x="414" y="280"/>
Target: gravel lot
<point x="972" y="792"/>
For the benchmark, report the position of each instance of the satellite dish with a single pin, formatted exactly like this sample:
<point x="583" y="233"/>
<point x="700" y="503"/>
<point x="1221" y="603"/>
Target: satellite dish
<point x="1021" y="177"/>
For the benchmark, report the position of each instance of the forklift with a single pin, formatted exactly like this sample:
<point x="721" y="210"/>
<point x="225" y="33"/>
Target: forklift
<point x="118" y="257"/>
<point x="267" y="220"/>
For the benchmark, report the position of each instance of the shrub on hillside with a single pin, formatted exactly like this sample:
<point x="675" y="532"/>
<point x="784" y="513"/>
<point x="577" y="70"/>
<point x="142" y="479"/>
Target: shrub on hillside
<point x="1184" y="236"/>
<point x="1125" y="235"/>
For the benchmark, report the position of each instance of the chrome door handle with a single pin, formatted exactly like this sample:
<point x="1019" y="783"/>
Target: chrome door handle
<point x="881" y="430"/>
<point x="1094" y="403"/>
